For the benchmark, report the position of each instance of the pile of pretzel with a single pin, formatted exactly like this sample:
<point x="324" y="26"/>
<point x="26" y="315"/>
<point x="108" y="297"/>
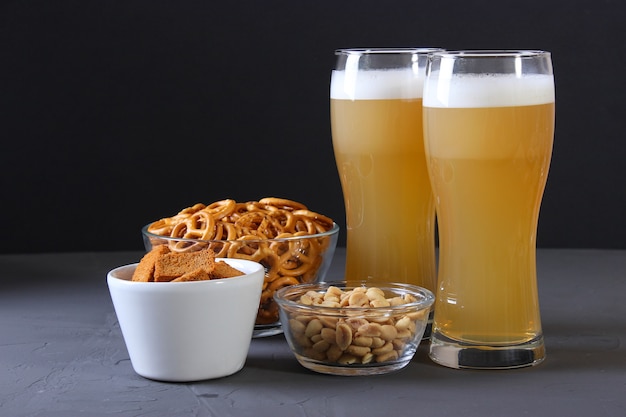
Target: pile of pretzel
<point x="242" y="230"/>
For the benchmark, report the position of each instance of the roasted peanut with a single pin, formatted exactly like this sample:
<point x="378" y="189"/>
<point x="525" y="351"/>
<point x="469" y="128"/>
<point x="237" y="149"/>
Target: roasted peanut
<point x="333" y="291"/>
<point x="314" y="295"/>
<point x="398" y="344"/>
<point x="404" y="334"/>
<point x="356" y="322"/>
<point x="297" y="327"/>
<point x="302" y="340"/>
<point x="387" y="347"/>
<point x="374" y="293"/>
<point x="377" y="342"/>
<point x="343" y="336"/>
<point x="330" y="322"/>
<point x="396" y="301"/>
<point x="321" y="346"/>
<point x="403" y="323"/>
<point x="359" y="299"/>
<point x="409" y="298"/>
<point x="362" y="341"/>
<point x="307" y="300"/>
<point x="347" y="359"/>
<point x="379" y="303"/>
<point x="387" y="356"/>
<point x="334" y="353"/>
<point x="316" y="338"/>
<point x="329" y="335"/>
<point x="367" y="358"/>
<point x="370" y="329"/>
<point x="359" y="351"/>
<point x="313" y="328"/>
<point x="388" y="332"/>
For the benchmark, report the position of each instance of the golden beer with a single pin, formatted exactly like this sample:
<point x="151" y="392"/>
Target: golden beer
<point x="379" y="150"/>
<point x="489" y="144"/>
<point x="488" y="205"/>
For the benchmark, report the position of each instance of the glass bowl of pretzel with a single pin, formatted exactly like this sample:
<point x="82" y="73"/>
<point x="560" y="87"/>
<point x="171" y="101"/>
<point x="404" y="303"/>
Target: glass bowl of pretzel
<point x="294" y="244"/>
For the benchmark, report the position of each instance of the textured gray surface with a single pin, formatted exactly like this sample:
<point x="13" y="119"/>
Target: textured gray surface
<point x="62" y="354"/>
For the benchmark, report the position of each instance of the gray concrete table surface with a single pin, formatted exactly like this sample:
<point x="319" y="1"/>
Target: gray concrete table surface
<point x="62" y="354"/>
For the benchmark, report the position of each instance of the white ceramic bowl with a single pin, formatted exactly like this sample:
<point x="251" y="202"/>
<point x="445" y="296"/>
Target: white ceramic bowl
<point x="187" y="331"/>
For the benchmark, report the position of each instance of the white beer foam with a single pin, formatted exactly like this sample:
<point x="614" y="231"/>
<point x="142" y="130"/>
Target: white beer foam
<point x="376" y="84"/>
<point x="489" y="90"/>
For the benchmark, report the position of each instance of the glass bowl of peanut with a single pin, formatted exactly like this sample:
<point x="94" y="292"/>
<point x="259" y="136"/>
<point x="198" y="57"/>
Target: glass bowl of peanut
<point x="363" y="329"/>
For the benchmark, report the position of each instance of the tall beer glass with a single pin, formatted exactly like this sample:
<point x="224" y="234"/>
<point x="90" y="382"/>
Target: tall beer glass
<point x="376" y="118"/>
<point x="488" y="130"/>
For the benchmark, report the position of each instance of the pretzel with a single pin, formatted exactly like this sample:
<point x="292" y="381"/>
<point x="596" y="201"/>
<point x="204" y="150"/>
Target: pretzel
<point x="221" y="209"/>
<point x="282" y="203"/>
<point x="242" y="229"/>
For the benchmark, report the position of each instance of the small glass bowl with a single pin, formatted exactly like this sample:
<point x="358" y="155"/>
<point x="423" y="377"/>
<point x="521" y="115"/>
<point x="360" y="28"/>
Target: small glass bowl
<point x="348" y="340"/>
<point x="287" y="261"/>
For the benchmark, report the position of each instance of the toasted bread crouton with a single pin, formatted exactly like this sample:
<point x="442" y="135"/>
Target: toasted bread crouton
<point x="197" y="275"/>
<point x="145" y="270"/>
<point x="223" y="270"/>
<point x="175" y="264"/>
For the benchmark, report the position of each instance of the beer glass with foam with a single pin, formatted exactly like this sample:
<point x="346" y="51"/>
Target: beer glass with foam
<point x="488" y="131"/>
<point x="376" y="119"/>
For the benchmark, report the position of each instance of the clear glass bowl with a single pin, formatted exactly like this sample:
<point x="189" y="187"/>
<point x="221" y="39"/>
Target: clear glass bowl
<point x="287" y="261"/>
<point x="348" y="340"/>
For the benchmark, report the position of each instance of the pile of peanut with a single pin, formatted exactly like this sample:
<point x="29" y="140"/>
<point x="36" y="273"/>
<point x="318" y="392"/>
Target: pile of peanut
<point x="354" y="340"/>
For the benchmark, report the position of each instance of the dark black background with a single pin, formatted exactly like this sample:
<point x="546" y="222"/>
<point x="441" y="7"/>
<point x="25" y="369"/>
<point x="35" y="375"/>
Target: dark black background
<point x="117" y="113"/>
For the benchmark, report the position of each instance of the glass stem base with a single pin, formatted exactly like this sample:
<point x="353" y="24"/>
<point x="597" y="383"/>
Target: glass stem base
<point x="458" y="354"/>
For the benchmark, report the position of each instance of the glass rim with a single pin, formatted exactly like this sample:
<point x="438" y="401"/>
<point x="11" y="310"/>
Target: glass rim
<point x="383" y="50"/>
<point x="426" y="298"/>
<point x="334" y="230"/>
<point x="491" y="53"/>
